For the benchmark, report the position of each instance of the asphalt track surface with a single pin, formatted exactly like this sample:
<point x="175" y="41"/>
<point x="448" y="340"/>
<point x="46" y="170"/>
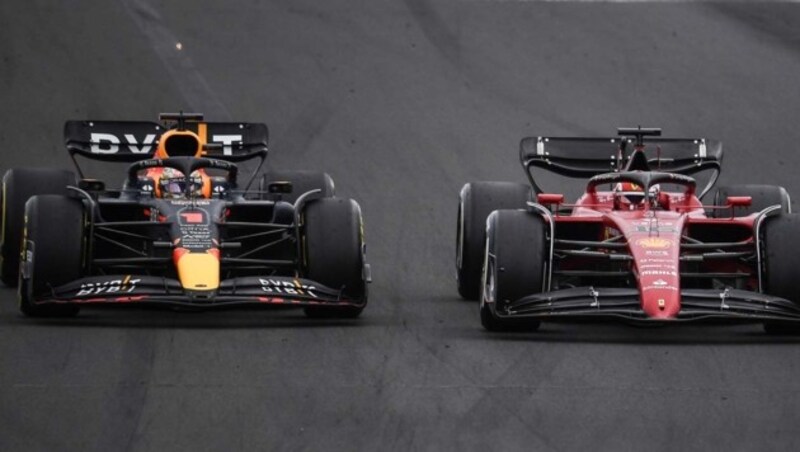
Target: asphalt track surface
<point x="401" y="102"/>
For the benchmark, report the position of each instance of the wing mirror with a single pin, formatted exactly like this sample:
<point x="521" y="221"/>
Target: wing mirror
<point x="283" y="187"/>
<point x="549" y="199"/>
<point x="739" y="201"/>
<point x="91" y="185"/>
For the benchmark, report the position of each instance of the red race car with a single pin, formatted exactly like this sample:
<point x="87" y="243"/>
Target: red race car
<point x="642" y="244"/>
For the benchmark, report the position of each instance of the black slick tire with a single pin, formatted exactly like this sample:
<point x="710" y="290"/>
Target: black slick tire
<point x="334" y="253"/>
<point x="19" y="184"/>
<point x="54" y="230"/>
<point x="515" y="261"/>
<point x="476" y="201"/>
<point x="780" y="266"/>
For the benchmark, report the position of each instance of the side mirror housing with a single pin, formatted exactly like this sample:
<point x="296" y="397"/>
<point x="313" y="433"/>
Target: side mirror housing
<point x="283" y="187"/>
<point x="739" y="201"/>
<point x="549" y="199"/>
<point x="91" y="185"/>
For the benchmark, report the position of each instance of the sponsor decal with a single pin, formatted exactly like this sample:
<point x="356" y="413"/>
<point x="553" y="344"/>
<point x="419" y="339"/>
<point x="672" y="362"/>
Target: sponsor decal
<point x="273" y="300"/>
<point x="287" y="287"/>
<point x="653" y="221"/>
<point x="660" y="282"/>
<point x="654" y="243"/>
<point x="657" y="260"/>
<point x="108" y="143"/>
<point x="125" y="285"/>
<point x="659" y="273"/>
<point x="670" y="288"/>
<point x="227" y="142"/>
<point x="653" y="225"/>
<point x="658" y="266"/>
<point x="652" y="228"/>
<point x="192" y="217"/>
<point x="656" y="253"/>
<point x="195" y="229"/>
<point x="190" y="202"/>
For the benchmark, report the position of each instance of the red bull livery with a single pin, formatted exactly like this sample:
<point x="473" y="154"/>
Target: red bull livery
<point x="181" y="231"/>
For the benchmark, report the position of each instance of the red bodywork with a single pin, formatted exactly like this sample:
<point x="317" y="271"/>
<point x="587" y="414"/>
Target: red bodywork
<point x="653" y="237"/>
<point x="638" y="245"/>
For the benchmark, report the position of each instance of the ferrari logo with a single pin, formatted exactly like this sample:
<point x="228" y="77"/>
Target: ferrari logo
<point x="654" y="242"/>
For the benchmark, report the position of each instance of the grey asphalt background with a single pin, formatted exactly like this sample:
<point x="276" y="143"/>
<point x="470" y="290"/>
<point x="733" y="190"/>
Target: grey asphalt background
<point x="401" y="102"/>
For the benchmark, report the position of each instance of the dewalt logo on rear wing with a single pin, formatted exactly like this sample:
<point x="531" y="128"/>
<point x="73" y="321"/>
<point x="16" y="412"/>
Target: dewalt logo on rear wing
<point x="131" y="141"/>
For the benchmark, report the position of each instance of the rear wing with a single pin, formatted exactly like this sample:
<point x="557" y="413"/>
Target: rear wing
<point x="589" y="157"/>
<point x="131" y="141"/>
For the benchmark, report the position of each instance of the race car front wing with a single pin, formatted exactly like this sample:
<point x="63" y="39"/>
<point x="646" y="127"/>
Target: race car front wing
<point x="586" y="303"/>
<point x="271" y="291"/>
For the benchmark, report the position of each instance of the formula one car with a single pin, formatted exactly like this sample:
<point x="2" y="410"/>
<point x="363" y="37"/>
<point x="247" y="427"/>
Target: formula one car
<point x="181" y="231"/>
<point x="638" y="245"/>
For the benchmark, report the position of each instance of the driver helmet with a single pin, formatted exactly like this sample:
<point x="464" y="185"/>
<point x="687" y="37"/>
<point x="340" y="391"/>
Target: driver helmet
<point x="628" y="191"/>
<point x="172" y="184"/>
<point x="634" y="193"/>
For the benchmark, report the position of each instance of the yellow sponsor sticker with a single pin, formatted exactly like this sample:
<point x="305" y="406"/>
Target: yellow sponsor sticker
<point x="654" y="243"/>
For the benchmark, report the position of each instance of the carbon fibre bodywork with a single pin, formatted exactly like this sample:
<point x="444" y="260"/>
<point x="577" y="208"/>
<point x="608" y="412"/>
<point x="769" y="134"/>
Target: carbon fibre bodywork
<point x="220" y="246"/>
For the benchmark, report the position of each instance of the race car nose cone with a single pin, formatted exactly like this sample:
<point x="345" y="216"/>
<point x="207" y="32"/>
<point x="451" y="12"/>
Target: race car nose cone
<point x="197" y="271"/>
<point x="655" y="246"/>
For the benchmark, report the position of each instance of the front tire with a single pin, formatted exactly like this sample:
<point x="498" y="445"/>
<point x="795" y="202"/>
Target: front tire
<point x="514" y="266"/>
<point x="780" y="266"/>
<point x="334" y="253"/>
<point x="54" y="231"/>
<point x="476" y="201"/>
<point x="19" y="184"/>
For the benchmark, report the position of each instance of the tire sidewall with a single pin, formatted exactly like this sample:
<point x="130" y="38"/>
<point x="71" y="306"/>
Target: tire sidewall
<point x="333" y="251"/>
<point x="513" y="265"/>
<point x="54" y="245"/>
<point x="476" y="201"/>
<point x="19" y="185"/>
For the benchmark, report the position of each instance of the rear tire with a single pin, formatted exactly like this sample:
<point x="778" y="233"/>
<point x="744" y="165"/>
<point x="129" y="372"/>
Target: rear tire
<point x="780" y="266"/>
<point x="302" y="182"/>
<point x="763" y="196"/>
<point x="19" y="184"/>
<point x="476" y="201"/>
<point x="54" y="246"/>
<point x="334" y="252"/>
<point x="515" y="261"/>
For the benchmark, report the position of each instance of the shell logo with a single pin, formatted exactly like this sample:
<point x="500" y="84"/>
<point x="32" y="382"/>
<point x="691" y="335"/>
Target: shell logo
<point x="654" y="243"/>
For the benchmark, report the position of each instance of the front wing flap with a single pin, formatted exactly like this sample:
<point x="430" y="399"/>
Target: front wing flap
<point x="149" y="290"/>
<point x="623" y="303"/>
